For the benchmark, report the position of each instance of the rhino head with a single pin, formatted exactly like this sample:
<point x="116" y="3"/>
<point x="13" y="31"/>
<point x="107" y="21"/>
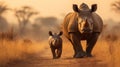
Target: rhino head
<point x="84" y="17"/>
<point x="55" y="37"/>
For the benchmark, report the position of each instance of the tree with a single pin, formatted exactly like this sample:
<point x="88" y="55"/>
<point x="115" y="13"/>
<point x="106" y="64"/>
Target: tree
<point x="3" y="21"/>
<point x="44" y="24"/>
<point x="23" y="16"/>
<point x="3" y="8"/>
<point x="116" y="6"/>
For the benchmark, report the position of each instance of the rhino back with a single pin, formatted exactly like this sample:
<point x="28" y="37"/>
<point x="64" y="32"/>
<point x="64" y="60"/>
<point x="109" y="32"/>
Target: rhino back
<point x="98" y="23"/>
<point x="68" y="21"/>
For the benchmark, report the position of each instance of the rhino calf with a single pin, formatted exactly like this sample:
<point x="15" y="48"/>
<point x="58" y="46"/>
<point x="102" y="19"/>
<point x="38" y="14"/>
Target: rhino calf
<point x="55" y="42"/>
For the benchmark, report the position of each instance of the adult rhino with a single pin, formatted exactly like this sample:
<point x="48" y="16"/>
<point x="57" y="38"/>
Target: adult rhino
<point x="82" y="24"/>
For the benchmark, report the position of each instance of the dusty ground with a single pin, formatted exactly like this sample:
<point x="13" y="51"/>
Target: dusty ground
<point x="44" y="59"/>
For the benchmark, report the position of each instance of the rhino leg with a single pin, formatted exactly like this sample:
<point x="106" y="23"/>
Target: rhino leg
<point x="74" y="49"/>
<point x="91" y="43"/>
<point x="53" y="52"/>
<point x="79" y="53"/>
<point x="59" y="52"/>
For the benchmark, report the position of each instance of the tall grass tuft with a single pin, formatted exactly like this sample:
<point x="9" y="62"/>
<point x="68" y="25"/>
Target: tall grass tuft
<point x="12" y="48"/>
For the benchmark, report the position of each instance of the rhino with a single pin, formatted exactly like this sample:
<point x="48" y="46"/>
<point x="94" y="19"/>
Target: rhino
<point x="82" y="24"/>
<point x="55" y="42"/>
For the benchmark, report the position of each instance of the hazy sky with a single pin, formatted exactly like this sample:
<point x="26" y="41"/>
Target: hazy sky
<point x="58" y="8"/>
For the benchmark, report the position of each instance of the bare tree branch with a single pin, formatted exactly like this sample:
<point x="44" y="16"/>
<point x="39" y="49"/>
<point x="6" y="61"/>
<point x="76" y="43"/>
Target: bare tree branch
<point x="116" y="6"/>
<point x="3" y="8"/>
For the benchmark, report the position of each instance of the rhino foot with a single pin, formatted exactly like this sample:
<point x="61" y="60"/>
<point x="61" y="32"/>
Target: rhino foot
<point x="80" y="55"/>
<point x="89" y="55"/>
<point x="56" y="57"/>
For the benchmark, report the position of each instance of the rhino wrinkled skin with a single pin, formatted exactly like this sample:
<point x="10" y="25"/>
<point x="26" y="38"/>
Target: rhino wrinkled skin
<point x="85" y="20"/>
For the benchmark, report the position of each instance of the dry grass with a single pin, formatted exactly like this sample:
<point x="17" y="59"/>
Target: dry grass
<point x="104" y="50"/>
<point x="17" y="50"/>
<point x="107" y="51"/>
<point x="13" y="48"/>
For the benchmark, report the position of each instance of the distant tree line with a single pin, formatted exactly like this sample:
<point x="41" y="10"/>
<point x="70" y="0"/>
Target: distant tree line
<point x="37" y="30"/>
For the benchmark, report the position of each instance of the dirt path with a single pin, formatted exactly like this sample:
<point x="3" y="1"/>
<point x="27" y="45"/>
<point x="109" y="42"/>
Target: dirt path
<point x="45" y="60"/>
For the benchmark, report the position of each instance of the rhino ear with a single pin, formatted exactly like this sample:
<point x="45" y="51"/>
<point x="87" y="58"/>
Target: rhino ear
<point x="75" y="8"/>
<point x="93" y="7"/>
<point x="50" y="33"/>
<point x="60" y="33"/>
